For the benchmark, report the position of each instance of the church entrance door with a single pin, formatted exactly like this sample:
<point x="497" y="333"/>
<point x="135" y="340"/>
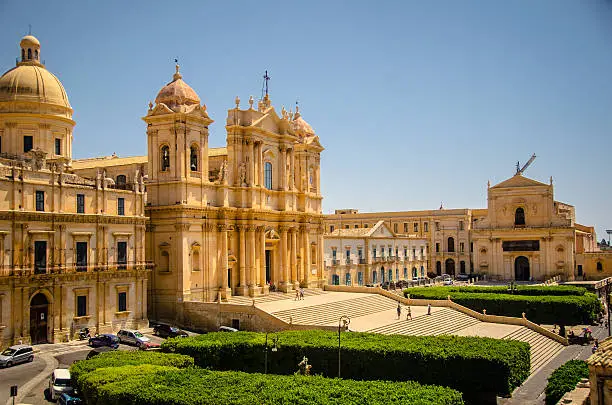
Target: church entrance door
<point x="450" y="267"/>
<point x="521" y="269"/>
<point x="39" y="308"/>
<point x="268" y="266"/>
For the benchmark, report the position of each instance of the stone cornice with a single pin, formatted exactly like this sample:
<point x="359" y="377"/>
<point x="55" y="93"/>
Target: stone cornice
<point x="30" y="216"/>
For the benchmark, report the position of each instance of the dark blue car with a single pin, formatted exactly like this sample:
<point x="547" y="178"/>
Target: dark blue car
<point x="66" y="399"/>
<point x="105" y="339"/>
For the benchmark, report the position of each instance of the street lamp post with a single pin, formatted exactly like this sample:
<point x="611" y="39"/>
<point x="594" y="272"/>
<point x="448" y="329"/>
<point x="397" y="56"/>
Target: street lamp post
<point x="344" y="321"/>
<point x="274" y="349"/>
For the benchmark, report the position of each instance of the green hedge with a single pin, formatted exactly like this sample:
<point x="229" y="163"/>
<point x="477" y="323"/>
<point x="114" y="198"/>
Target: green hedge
<point x="564" y="379"/>
<point x="82" y="368"/>
<point x="161" y="385"/>
<point x="546" y="309"/>
<point x="453" y="361"/>
<point x="518" y="289"/>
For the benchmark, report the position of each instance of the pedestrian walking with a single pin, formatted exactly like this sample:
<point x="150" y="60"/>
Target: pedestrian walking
<point x="428" y="309"/>
<point x="408" y="313"/>
<point x="301" y="293"/>
<point x="297" y="295"/>
<point x="399" y="310"/>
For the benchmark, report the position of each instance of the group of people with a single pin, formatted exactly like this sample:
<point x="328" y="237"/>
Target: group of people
<point x="299" y="294"/>
<point x="409" y="311"/>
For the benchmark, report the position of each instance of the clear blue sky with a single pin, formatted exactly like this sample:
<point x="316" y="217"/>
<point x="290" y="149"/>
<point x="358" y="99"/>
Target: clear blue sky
<point x="415" y="102"/>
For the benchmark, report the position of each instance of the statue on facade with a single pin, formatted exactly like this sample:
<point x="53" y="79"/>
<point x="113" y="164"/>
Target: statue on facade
<point x="39" y="159"/>
<point x="222" y="175"/>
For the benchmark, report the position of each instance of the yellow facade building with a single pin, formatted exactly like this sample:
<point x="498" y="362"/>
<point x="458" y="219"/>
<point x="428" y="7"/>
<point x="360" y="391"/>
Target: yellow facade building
<point x="71" y="248"/>
<point x="523" y="234"/>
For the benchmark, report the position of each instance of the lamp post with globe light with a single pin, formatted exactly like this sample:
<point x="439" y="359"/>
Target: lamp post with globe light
<point x="275" y="339"/>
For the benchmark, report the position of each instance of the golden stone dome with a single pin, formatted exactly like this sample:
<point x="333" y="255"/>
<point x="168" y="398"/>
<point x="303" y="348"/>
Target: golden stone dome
<point x="177" y="93"/>
<point x="30" y="82"/>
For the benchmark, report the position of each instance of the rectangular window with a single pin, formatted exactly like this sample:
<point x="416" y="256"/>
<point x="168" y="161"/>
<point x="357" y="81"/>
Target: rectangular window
<point x="346" y="227"/>
<point x="40" y="200"/>
<point x="268" y="175"/>
<point x="425" y="227"/>
<point x="359" y="253"/>
<point x="348" y="253"/>
<point x="81" y="305"/>
<point x="422" y="252"/>
<point x="405" y="252"/>
<point x="405" y="227"/>
<point x="395" y="228"/>
<point x="58" y="146"/>
<point x="396" y="252"/>
<point x="374" y="252"/>
<point x="331" y="228"/>
<point x="122" y="255"/>
<point x="461" y="225"/>
<point x="81" y="256"/>
<point x="416" y="226"/>
<point x="0" y="144"/>
<point x="120" y="206"/>
<point x="461" y="247"/>
<point x="437" y="247"/>
<point x="122" y="298"/>
<point x="437" y="226"/>
<point x="334" y="254"/>
<point x="413" y="253"/>
<point x="28" y="143"/>
<point x="80" y="203"/>
<point x="356" y="226"/>
<point x="471" y="246"/>
<point x="390" y="252"/>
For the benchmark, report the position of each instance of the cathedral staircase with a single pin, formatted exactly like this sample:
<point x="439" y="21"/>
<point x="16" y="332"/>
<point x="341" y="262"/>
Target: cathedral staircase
<point x="542" y="348"/>
<point x="442" y="322"/>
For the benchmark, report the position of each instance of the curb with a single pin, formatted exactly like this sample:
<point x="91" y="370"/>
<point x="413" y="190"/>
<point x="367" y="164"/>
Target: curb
<point x="51" y="364"/>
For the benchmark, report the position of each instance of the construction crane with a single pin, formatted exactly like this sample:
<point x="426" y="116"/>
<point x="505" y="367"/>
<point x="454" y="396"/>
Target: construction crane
<point x="519" y="169"/>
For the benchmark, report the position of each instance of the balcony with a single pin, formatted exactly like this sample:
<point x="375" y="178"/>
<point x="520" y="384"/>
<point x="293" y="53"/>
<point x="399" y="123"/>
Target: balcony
<point x="7" y="271"/>
<point x="347" y="261"/>
<point x="335" y="262"/>
<point x="362" y="260"/>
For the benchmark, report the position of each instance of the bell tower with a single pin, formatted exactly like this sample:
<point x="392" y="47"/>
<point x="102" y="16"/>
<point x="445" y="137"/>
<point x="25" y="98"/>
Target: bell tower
<point x="177" y="135"/>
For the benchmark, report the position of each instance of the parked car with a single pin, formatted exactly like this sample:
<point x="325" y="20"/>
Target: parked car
<point x="132" y="337"/>
<point x="227" y="329"/>
<point x="98" y="350"/>
<point x="149" y="346"/>
<point x="105" y="339"/>
<point x="448" y="281"/>
<point x="462" y="277"/>
<point x="15" y="355"/>
<point x="167" y="331"/>
<point x="59" y="383"/>
<point x="67" y="399"/>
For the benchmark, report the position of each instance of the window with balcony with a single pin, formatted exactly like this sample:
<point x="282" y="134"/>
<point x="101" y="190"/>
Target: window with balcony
<point x="425" y="227"/>
<point x="416" y="227"/>
<point x="81" y="256"/>
<point x="390" y="251"/>
<point x="451" y="244"/>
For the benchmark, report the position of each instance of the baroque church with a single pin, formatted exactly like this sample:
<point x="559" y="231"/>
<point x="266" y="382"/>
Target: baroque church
<point x="108" y="242"/>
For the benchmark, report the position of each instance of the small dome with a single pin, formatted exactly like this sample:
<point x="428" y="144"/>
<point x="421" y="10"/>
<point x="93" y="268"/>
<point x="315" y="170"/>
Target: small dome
<point x="300" y="126"/>
<point x="29" y="41"/>
<point x="177" y="93"/>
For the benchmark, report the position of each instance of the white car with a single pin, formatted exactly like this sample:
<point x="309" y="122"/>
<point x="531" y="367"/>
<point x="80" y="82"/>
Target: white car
<point x="448" y="281"/>
<point x="132" y="337"/>
<point x="59" y="383"/>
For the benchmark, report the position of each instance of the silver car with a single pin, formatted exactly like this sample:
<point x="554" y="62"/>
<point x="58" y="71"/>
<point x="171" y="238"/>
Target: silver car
<point x="132" y="337"/>
<point x="15" y="355"/>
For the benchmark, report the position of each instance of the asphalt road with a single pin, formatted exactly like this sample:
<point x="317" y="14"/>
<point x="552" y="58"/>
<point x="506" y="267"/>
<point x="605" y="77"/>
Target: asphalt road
<point x="17" y="375"/>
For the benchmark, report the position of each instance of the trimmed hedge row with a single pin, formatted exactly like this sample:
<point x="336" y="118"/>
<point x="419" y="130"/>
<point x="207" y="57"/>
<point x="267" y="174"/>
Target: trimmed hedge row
<point x="551" y="309"/>
<point x="564" y="379"/>
<point x="156" y="385"/>
<point x="519" y="290"/>
<point x="453" y="361"/>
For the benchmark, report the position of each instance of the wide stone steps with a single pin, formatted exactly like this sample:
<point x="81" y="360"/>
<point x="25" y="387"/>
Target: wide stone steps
<point x="542" y="348"/>
<point x="441" y="322"/>
<point x="273" y="296"/>
<point x="330" y="312"/>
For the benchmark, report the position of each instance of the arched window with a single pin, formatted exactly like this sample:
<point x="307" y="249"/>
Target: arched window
<point x="519" y="216"/>
<point x="22" y="54"/>
<point x="374" y="278"/>
<point x="599" y="266"/>
<point x="121" y="180"/>
<point x="268" y="175"/>
<point x="193" y="159"/>
<point x="36" y="54"/>
<point x="165" y="158"/>
<point x="29" y="53"/>
<point x="451" y="244"/>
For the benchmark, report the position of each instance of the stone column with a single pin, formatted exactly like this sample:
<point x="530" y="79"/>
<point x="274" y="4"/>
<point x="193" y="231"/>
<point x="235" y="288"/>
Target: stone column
<point x="242" y="259"/>
<point x="252" y="278"/>
<point x="262" y="254"/>
<point x="307" y="258"/>
<point x="283" y="268"/>
<point x="320" y="253"/>
<point x="222" y="235"/>
<point x="204" y="155"/>
<point x="283" y="168"/>
<point x="293" y="257"/>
